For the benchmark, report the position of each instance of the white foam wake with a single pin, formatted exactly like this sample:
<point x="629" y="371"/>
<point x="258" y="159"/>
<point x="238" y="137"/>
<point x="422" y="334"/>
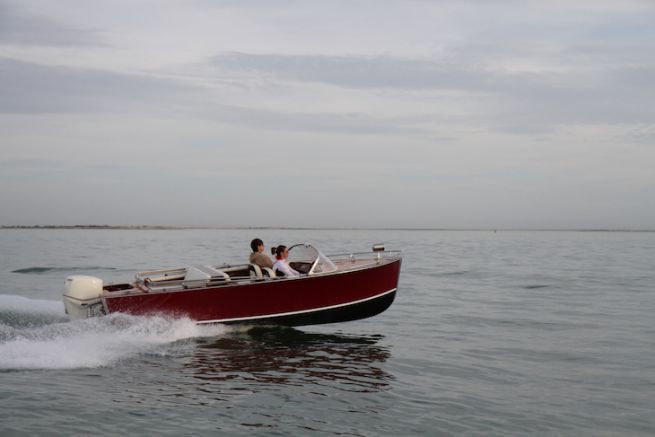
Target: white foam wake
<point x="20" y="304"/>
<point x="96" y="342"/>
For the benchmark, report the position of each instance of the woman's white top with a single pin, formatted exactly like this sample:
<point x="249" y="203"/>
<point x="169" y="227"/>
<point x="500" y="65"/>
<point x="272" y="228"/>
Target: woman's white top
<point x="281" y="265"/>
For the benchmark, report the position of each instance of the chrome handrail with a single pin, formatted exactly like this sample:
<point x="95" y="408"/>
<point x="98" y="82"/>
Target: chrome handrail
<point x="372" y="254"/>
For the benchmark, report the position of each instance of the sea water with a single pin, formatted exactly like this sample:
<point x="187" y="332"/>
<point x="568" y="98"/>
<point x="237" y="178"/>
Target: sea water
<point x="492" y="333"/>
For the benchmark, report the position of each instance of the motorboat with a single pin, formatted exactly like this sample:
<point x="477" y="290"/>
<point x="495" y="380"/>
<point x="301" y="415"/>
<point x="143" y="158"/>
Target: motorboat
<point x="330" y="289"/>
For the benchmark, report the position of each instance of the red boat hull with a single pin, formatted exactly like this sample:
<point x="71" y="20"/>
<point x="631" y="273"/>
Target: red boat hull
<point x="308" y="300"/>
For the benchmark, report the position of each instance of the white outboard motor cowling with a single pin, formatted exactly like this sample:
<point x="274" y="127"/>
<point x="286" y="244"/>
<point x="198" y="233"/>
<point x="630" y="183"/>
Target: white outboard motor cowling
<point x="82" y="297"/>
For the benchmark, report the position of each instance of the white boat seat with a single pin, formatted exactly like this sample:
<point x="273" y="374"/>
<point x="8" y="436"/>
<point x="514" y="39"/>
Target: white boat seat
<point x="255" y="271"/>
<point x="260" y="272"/>
<point x="199" y="275"/>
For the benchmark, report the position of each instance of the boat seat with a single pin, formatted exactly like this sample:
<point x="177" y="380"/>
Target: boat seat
<point x="199" y="276"/>
<point x="258" y="272"/>
<point x="255" y="271"/>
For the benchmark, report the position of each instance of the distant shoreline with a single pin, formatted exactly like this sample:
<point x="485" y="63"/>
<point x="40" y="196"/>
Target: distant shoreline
<point x="264" y="228"/>
<point x="119" y="227"/>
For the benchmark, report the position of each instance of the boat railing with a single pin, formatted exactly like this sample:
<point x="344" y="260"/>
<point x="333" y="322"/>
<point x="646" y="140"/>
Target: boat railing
<point x="367" y="255"/>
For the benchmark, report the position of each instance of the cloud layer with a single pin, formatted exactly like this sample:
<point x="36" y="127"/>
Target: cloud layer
<point x="495" y="114"/>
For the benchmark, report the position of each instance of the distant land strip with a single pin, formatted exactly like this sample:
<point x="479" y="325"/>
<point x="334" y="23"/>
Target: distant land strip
<point x="300" y="228"/>
<point x="139" y="227"/>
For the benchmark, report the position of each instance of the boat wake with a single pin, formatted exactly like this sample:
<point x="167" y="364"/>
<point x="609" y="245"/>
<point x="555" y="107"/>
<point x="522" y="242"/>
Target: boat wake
<point x="34" y="334"/>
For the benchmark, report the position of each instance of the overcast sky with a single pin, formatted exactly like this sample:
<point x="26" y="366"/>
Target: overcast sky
<point x="460" y="114"/>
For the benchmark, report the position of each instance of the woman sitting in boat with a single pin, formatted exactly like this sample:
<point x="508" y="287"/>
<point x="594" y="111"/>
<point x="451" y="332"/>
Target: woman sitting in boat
<point x="281" y="266"/>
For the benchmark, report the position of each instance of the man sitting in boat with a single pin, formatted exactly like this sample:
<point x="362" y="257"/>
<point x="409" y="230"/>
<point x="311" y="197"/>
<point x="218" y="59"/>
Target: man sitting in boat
<point x="281" y="266"/>
<point x="258" y="256"/>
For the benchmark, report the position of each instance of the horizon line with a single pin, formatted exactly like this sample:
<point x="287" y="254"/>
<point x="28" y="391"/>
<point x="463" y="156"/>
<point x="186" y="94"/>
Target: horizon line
<point x="310" y="228"/>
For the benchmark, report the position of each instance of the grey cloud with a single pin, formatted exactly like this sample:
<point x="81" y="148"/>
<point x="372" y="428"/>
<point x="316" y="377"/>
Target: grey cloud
<point x="21" y="28"/>
<point x="623" y="95"/>
<point x="522" y="103"/>
<point x="346" y="123"/>
<point x="32" y="88"/>
<point x="354" y="72"/>
<point x="529" y="101"/>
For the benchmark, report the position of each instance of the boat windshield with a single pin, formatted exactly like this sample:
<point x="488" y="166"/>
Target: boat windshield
<point x="309" y="259"/>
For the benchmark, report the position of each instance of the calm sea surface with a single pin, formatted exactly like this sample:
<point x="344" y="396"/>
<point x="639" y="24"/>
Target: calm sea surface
<point x="491" y="333"/>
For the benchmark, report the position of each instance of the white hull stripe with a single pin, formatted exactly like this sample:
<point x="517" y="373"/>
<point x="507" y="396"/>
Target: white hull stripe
<point x="292" y="313"/>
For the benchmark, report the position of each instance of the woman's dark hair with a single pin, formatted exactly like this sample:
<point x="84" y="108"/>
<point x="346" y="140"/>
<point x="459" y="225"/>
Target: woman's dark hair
<point x="280" y="250"/>
<point x="254" y="244"/>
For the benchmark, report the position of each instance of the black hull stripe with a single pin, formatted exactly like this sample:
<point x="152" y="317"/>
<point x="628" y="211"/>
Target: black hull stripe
<point x="306" y="313"/>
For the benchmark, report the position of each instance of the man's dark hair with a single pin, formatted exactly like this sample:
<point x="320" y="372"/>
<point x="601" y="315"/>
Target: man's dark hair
<point x="254" y="244"/>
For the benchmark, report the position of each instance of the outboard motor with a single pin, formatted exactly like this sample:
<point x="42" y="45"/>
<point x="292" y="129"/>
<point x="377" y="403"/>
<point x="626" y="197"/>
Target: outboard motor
<point x="82" y="297"/>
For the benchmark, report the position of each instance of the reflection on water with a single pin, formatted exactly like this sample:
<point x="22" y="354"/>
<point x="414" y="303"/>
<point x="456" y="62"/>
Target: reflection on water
<point x="291" y="357"/>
